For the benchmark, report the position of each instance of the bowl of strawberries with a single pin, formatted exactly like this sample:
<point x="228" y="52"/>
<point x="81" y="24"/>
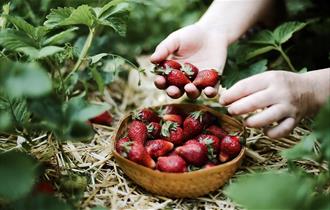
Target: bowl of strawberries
<point x="179" y="150"/>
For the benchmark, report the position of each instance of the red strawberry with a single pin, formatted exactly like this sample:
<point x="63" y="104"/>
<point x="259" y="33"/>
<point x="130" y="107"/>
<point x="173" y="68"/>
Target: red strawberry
<point x="121" y="144"/>
<point x="154" y="130"/>
<point x="217" y="131"/>
<point x="206" y="78"/>
<point x="137" y="131"/>
<point x="172" y="132"/>
<point x="177" y="78"/>
<point x="208" y="119"/>
<point x="158" y="147"/>
<point x="44" y="187"/>
<point x="169" y="64"/>
<point x="104" y="119"/>
<point x="209" y="165"/>
<point x="190" y="70"/>
<point x="192" y="125"/>
<point x="173" y="163"/>
<point x="223" y="157"/>
<point x="230" y="145"/>
<point x="146" y="115"/>
<point x="137" y="153"/>
<point x="173" y="118"/>
<point x="193" y="152"/>
<point x="171" y="109"/>
<point x="212" y="143"/>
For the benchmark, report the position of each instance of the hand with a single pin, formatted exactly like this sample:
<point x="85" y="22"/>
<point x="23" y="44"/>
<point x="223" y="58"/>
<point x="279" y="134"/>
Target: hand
<point x="285" y="98"/>
<point x="203" y="47"/>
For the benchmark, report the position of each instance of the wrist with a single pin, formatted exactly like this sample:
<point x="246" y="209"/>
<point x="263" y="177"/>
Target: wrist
<point x="214" y="30"/>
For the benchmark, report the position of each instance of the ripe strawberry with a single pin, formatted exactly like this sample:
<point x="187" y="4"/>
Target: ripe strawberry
<point x="173" y="118"/>
<point x="137" y="131"/>
<point x="169" y="63"/>
<point x="121" y="144"/>
<point x="230" y="145"/>
<point x="193" y="152"/>
<point x="135" y="152"/>
<point x="206" y="78"/>
<point x="158" y="147"/>
<point x="223" y="157"/>
<point x="177" y="78"/>
<point x="192" y="125"/>
<point x="44" y="187"/>
<point x="190" y="70"/>
<point x="146" y="115"/>
<point x="104" y="119"/>
<point x="173" y="163"/>
<point x="217" y="131"/>
<point x="171" y="109"/>
<point x="172" y="132"/>
<point x="209" y="165"/>
<point x="154" y="130"/>
<point x="212" y="143"/>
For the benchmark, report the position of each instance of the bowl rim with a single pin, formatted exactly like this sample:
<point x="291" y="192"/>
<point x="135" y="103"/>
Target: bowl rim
<point x="157" y="172"/>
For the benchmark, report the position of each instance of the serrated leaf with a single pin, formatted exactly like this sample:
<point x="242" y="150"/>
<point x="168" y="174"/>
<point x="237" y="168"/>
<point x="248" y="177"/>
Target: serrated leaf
<point x="302" y="150"/>
<point x="104" y="11"/>
<point x="18" y="174"/>
<point x="285" y="31"/>
<point x="82" y="15"/>
<point x="34" y="53"/>
<point x="270" y="191"/>
<point x="264" y="37"/>
<point x="116" y="23"/>
<point x="21" y="24"/>
<point x="62" y="37"/>
<point x="13" y="40"/>
<point x="57" y="16"/>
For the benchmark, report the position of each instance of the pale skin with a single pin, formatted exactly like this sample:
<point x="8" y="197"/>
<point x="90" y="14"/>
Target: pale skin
<point x="283" y="97"/>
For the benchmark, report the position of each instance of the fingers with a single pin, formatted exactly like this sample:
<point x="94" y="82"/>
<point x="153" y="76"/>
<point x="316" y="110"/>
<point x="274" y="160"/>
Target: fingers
<point x="244" y="88"/>
<point x="165" y="48"/>
<point x="211" y="91"/>
<point x="192" y="91"/>
<point x="283" y="129"/>
<point x="251" y="103"/>
<point x="270" y="115"/>
<point x="174" y="92"/>
<point x="160" y="82"/>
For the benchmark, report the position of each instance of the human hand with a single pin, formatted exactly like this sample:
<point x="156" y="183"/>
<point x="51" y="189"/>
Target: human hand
<point x="285" y="98"/>
<point x="203" y="47"/>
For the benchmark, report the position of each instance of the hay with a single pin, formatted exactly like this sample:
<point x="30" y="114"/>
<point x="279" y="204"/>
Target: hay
<point x="109" y="187"/>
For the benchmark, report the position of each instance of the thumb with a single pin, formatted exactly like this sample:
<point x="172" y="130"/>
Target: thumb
<point x="166" y="48"/>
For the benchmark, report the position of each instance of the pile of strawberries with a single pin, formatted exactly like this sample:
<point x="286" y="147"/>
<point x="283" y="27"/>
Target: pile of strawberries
<point x="175" y="141"/>
<point x="180" y="75"/>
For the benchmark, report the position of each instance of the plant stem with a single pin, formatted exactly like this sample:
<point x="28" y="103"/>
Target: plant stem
<point x="6" y="9"/>
<point x="83" y="52"/>
<point x="286" y="58"/>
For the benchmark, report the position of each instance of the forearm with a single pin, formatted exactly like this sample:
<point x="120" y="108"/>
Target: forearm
<point x="234" y="17"/>
<point x="318" y="84"/>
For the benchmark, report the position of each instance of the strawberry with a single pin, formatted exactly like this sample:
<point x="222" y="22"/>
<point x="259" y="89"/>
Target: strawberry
<point x="171" y="109"/>
<point x="192" y="125"/>
<point x="158" y="147"/>
<point x="223" y="157"/>
<point x="212" y="143"/>
<point x="44" y="187"/>
<point x="146" y="115"/>
<point x="230" y="145"/>
<point x="120" y="144"/>
<point x="173" y="163"/>
<point x="217" y="131"/>
<point x="135" y="152"/>
<point x="208" y="119"/>
<point x="172" y="132"/>
<point x="104" y="119"/>
<point x="190" y="70"/>
<point x="173" y="118"/>
<point x="193" y="152"/>
<point x="176" y="77"/>
<point x="206" y="78"/>
<point x="137" y="131"/>
<point x="154" y="130"/>
<point x="169" y="63"/>
<point x="209" y="165"/>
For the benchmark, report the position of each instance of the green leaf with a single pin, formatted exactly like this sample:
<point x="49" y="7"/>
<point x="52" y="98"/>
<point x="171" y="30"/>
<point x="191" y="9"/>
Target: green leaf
<point x="303" y="150"/>
<point x="116" y="23"/>
<point x="24" y="79"/>
<point x="82" y="15"/>
<point x="96" y="58"/>
<point x="5" y="121"/>
<point x="285" y="31"/>
<point x="57" y="16"/>
<point x="13" y="40"/>
<point x="18" y="173"/>
<point x="21" y="24"/>
<point x="297" y="6"/>
<point x="98" y="79"/>
<point x="258" y="51"/>
<point x="270" y="191"/>
<point x="106" y="9"/>
<point x="34" y="53"/>
<point x="264" y="37"/>
<point x="62" y="37"/>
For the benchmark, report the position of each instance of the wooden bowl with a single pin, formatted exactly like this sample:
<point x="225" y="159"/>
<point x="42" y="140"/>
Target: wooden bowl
<point x="182" y="185"/>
